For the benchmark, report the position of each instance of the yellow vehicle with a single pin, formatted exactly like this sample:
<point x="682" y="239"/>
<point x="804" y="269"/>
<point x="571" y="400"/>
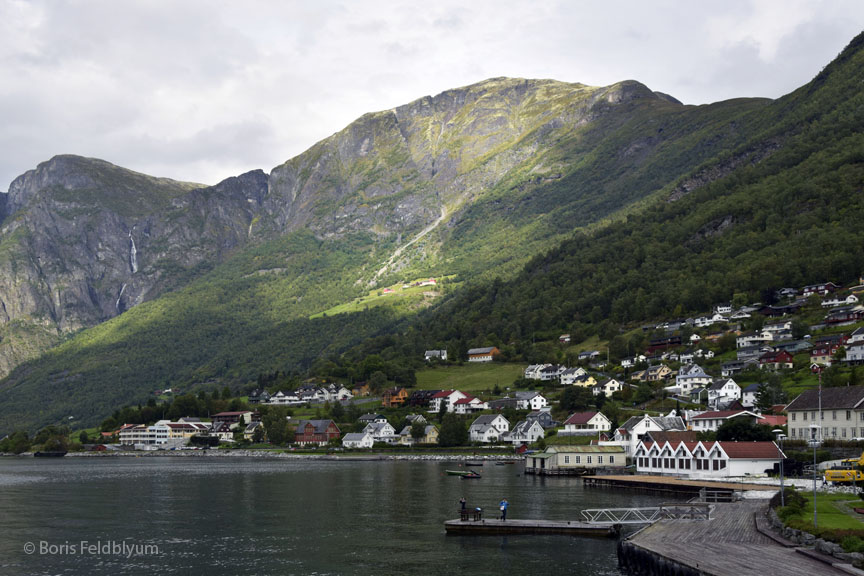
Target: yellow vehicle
<point x="846" y="472"/>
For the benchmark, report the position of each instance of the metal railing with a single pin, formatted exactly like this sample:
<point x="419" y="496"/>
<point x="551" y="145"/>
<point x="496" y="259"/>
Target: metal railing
<point x="683" y="511"/>
<point x="622" y="515"/>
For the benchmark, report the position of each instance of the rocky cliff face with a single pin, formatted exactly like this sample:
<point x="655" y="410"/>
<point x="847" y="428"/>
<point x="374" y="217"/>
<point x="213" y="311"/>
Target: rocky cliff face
<point x="83" y="240"/>
<point x="394" y="171"/>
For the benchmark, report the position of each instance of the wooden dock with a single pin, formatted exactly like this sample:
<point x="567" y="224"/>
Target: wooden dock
<point x="496" y="527"/>
<point x="727" y="545"/>
<point x="669" y="484"/>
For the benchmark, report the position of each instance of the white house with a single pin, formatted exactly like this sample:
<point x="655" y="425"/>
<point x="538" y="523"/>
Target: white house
<point x="633" y="430"/>
<point x="357" y="440"/>
<point x="607" y="388"/>
<point x="282" y="399"/>
<point x="446" y="397"/>
<point x="689" y="377"/>
<point x="586" y="423"/>
<point x="525" y="432"/>
<point x="840" y="301"/>
<point x="381" y="432"/>
<point x="569" y="376"/>
<point x="752" y="339"/>
<point x="748" y="395"/>
<point x="854" y="353"/>
<point x="723" y="391"/>
<point x="706" y="459"/>
<point x="711" y="421"/>
<point x="530" y="401"/>
<point x="469" y="405"/>
<point x="435" y="355"/>
<point x="488" y="428"/>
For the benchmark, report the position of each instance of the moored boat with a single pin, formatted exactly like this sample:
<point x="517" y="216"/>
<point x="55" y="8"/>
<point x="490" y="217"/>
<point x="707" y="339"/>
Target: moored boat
<point x="50" y="454"/>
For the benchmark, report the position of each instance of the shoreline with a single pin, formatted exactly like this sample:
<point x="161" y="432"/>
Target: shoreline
<point x="370" y="457"/>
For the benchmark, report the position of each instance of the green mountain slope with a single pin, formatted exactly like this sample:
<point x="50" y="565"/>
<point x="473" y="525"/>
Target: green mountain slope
<point x="732" y="226"/>
<point x="470" y="184"/>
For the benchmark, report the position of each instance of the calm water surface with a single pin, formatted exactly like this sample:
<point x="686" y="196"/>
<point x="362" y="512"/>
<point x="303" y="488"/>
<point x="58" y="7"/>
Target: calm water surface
<point x="289" y="517"/>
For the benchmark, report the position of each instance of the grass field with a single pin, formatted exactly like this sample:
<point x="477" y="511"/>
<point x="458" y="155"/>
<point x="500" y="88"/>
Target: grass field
<point x="470" y="377"/>
<point x="833" y="513"/>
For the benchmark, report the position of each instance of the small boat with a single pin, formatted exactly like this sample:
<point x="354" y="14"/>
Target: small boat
<point x="473" y="463"/>
<point x="505" y="462"/>
<point x="50" y="454"/>
<point x="470" y="475"/>
<point x="459" y="472"/>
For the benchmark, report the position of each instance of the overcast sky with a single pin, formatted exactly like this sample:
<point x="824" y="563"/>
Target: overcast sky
<point x="203" y="90"/>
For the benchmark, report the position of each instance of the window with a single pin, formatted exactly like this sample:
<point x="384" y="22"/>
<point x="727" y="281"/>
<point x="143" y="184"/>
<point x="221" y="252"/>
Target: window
<point x="833" y="432"/>
<point x="599" y="459"/>
<point x="793" y="416"/>
<point x="843" y="432"/>
<point x="566" y="459"/>
<point x="578" y="459"/>
<point x="589" y="460"/>
<point x="805" y="416"/>
<point x="611" y="459"/>
<point x="848" y="414"/>
<point x="833" y="414"/>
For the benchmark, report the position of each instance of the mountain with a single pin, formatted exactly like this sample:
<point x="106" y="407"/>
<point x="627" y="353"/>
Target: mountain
<point x="221" y="282"/>
<point x="785" y="208"/>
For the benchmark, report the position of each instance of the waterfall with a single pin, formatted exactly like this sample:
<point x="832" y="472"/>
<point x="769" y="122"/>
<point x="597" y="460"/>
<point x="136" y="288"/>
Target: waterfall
<point x="119" y="296"/>
<point x="133" y="254"/>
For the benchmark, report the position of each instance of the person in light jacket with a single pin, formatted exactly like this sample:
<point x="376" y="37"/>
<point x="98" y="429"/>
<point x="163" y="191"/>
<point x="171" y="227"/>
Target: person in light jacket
<point x="503" y="506"/>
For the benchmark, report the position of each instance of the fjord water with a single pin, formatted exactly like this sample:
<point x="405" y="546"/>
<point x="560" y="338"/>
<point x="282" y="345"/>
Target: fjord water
<point x="196" y="515"/>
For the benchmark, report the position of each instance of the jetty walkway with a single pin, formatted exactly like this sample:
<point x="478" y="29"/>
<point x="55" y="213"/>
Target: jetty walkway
<point x="727" y="545"/>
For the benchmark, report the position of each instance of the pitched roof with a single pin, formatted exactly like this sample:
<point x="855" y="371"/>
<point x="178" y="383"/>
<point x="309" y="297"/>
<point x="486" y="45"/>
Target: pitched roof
<point x="320" y="426"/>
<point x="486" y="419"/>
<point x="750" y="450"/>
<point x="580" y="418"/>
<point x="724" y="414"/>
<point x="674" y="436"/>
<point x="842" y="398"/>
<point x="486" y="350"/>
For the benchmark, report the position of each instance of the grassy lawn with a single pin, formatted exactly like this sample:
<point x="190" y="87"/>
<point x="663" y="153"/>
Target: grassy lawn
<point x="470" y="377"/>
<point x="832" y="513"/>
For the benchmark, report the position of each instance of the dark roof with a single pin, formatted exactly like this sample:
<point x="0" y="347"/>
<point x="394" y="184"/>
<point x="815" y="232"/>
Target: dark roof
<point x="674" y="436"/>
<point x="843" y="398"/>
<point x="320" y="426"/>
<point x="580" y="418"/>
<point x="486" y="350"/>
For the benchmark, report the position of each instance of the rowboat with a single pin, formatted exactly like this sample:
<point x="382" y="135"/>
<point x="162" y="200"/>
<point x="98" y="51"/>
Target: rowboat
<point x="473" y="463"/>
<point x="459" y="472"/>
<point x="471" y="475"/>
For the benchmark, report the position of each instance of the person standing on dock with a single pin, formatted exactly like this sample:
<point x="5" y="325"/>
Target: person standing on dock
<point x="503" y="505"/>
<point x="462" y="502"/>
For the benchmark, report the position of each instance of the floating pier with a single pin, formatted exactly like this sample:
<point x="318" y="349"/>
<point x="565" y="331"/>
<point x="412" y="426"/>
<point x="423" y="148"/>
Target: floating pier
<point x="496" y="527"/>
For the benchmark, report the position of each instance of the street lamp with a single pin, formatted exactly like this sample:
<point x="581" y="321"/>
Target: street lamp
<point x="815" y="442"/>
<point x="780" y="436"/>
